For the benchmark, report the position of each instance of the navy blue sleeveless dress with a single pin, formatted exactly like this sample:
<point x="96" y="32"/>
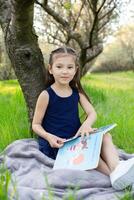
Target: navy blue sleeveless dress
<point x="61" y="119"/>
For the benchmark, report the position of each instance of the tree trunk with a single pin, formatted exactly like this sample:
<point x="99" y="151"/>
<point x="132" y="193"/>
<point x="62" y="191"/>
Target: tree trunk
<point x="23" y="50"/>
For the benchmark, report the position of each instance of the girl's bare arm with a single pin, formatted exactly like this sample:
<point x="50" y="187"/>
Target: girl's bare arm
<point x="40" y="110"/>
<point x="86" y="127"/>
<point x="89" y="109"/>
<point x="39" y="113"/>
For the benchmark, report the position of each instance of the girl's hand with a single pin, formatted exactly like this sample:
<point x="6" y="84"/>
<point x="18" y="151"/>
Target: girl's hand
<point x="55" y="141"/>
<point x="85" y="130"/>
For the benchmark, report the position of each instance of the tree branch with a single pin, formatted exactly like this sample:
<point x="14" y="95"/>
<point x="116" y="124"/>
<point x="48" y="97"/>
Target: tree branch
<point x="101" y="6"/>
<point x="94" y="23"/>
<point x="79" y="15"/>
<point x="108" y="6"/>
<point x="71" y="34"/>
<point x="100" y="28"/>
<point x="5" y="14"/>
<point x="92" y="30"/>
<point x="55" y="15"/>
<point x="107" y="13"/>
<point x="90" y="5"/>
<point x="93" y="52"/>
<point x="57" y="25"/>
<point x="45" y="2"/>
<point x="55" y="37"/>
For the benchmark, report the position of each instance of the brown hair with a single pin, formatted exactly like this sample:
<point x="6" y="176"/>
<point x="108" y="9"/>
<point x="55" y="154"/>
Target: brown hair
<point x="75" y="83"/>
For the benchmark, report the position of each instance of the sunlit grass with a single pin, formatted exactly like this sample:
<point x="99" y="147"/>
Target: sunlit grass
<point x="13" y="113"/>
<point x="111" y="94"/>
<point x="10" y="86"/>
<point x="113" y="98"/>
<point x="112" y="81"/>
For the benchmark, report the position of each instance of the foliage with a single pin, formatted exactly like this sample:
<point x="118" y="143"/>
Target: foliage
<point x="83" y="25"/>
<point x="118" y="55"/>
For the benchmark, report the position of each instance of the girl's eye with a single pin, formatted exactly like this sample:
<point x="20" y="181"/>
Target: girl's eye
<point x="70" y="67"/>
<point x="58" y="66"/>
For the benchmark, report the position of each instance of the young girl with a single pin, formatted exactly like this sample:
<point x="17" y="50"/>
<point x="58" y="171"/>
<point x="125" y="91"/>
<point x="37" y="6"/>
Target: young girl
<point x="56" y="117"/>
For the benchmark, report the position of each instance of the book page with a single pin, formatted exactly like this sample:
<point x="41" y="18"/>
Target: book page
<point x="81" y="154"/>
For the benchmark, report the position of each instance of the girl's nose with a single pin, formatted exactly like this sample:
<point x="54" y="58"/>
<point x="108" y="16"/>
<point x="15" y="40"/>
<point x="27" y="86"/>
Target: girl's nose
<point x="65" y="71"/>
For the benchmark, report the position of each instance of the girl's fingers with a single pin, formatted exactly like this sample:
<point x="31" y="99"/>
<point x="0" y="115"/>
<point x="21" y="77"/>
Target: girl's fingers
<point x="83" y="135"/>
<point x="77" y="134"/>
<point x="61" y="140"/>
<point x="60" y="145"/>
<point x="87" y="134"/>
<point x="94" y="130"/>
<point x="57" y="145"/>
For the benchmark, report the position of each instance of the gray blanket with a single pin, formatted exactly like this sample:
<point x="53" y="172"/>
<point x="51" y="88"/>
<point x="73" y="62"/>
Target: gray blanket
<point x="34" y="179"/>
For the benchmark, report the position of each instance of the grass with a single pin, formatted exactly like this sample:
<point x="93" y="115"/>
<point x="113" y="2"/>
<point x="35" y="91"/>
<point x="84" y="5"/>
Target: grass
<point x="111" y="94"/>
<point x="13" y="113"/>
<point x="5" y="179"/>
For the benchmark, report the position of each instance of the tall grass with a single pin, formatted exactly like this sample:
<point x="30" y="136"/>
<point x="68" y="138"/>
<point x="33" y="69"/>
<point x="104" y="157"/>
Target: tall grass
<point x="13" y="113"/>
<point x="5" y="180"/>
<point x="113" y="98"/>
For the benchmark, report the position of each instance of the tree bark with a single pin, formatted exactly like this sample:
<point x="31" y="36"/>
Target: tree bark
<point x="16" y="19"/>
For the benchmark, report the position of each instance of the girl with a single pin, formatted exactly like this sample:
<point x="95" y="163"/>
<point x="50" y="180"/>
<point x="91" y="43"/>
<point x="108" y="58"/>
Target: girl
<point x="56" y="117"/>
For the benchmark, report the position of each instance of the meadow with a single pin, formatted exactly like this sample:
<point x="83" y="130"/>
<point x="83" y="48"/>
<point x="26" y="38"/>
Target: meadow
<point x="111" y="94"/>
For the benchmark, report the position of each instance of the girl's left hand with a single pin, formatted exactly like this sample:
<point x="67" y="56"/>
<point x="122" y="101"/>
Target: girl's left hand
<point x="85" y="130"/>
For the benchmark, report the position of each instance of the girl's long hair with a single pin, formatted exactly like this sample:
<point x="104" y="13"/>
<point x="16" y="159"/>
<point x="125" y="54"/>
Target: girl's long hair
<point x="75" y="83"/>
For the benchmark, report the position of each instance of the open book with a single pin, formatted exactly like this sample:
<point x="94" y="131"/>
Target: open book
<point x="82" y="154"/>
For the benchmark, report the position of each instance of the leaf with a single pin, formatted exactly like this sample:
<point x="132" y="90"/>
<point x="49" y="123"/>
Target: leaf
<point x="67" y="5"/>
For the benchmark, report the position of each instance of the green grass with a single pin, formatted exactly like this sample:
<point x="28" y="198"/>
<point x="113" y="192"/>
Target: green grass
<point x="113" y="98"/>
<point x="111" y="94"/>
<point x="5" y="180"/>
<point x="13" y="113"/>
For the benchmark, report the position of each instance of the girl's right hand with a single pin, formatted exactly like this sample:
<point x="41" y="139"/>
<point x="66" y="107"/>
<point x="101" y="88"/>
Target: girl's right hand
<point x="55" y="141"/>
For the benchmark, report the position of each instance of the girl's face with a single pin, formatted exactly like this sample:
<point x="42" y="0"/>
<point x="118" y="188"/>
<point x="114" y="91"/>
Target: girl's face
<point x="63" y="68"/>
